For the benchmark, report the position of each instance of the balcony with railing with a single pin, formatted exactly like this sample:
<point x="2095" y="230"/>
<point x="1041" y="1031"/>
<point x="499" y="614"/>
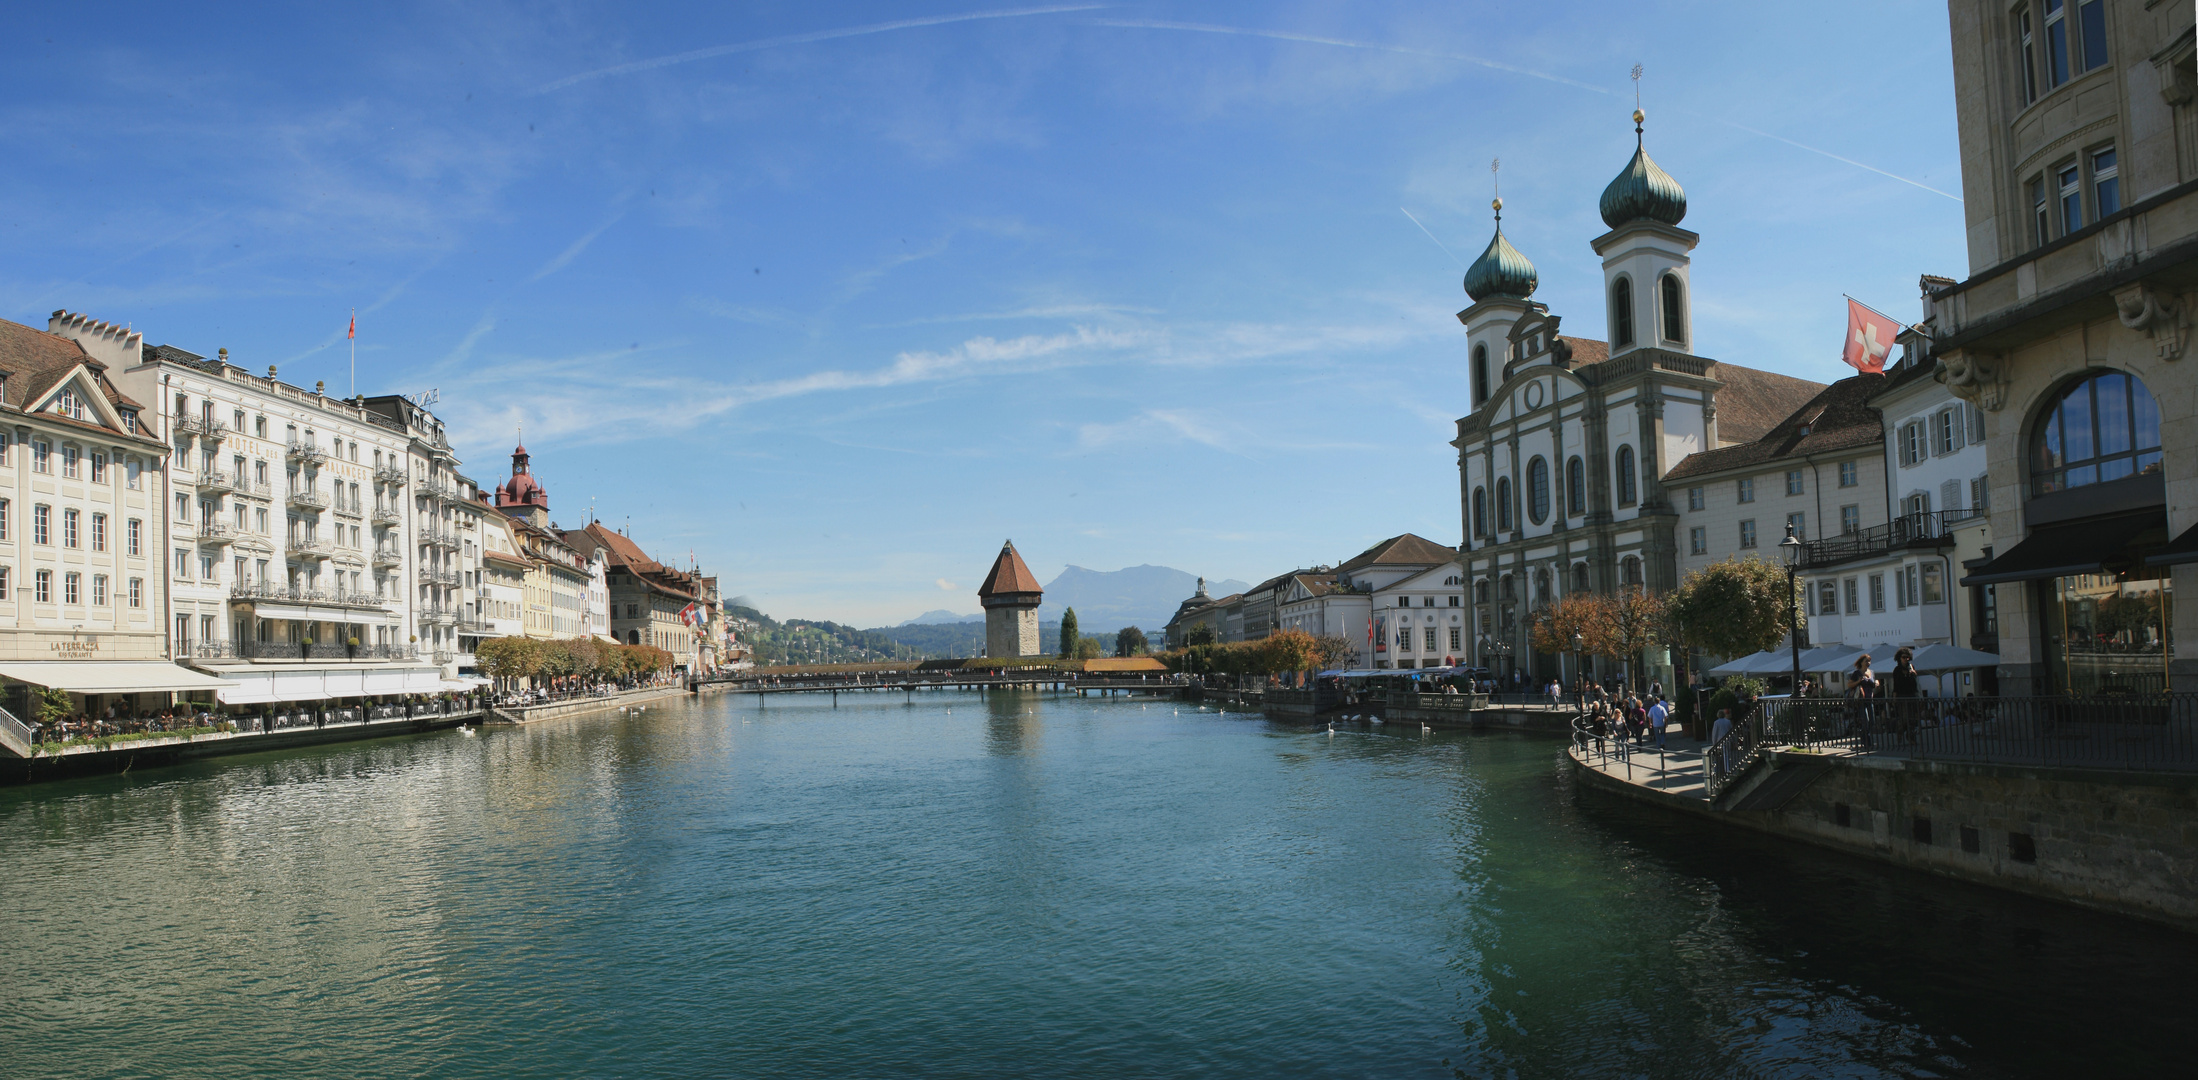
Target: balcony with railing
<point x="1906" y="532"/>
<point x="252" y="488"/>
<point x="277" y="592"/>
<point x="392" y="475"/>
<point x="439" y="538"/>
<point x="387" y="515"/>
<point x="298" y="650"/>
<point x="216" y="532"/>
<point x="470" y="623"/>
<point x="307" y="453"/>
<point x="437" y="489"/>
<point x="446" y="578"/>
<point x="438" y="616"/>
<point x="209" y="430"/>
<point x="214" y="480"/>
<point x="385" y="558"/>
<point x="311" y="549"/>
<point x="305" y="498"/>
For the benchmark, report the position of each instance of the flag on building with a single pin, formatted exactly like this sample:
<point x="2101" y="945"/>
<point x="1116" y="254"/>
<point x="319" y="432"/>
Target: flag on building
<point x="353" y="330"/>
<point x="1869" y="338"/>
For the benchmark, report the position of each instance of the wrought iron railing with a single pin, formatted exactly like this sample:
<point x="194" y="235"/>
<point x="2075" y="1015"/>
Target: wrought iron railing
<point x="216" y="532"/>
<point x="249" y="590"/>
<point x="298" y="650"/>
<point x="307" y="453"/>
<point x="392" y="475"/>
<point x="311" y="549"/>
<point x="448" y="578"/>
<point x="386" y="557"/>
<point x="215" y="480"/>
<point x="2129" y="732"/>
<point x="306" y="497"/>
<point x="1932" y="529"/>
<point x="438" y="538"/>
<point x="387" y="515"/>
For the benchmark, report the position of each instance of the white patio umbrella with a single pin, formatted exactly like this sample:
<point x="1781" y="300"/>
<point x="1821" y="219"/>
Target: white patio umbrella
<point x="1943" y="657"/>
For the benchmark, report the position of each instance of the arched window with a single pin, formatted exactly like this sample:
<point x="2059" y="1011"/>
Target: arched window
<point x="1630" y="570"/>
<point x="1541" y="588"/>
<point x="1480" y="511"/>
<point x="1509" y="592"/>
<point x="1675" y="318"/>
<point x="1579" y="577"/>
<point x="1480" y="591"/>
<point x="1626" y="484"/>
<point x="1480" y="375"/>
<point x="2101" y="428"/>
<point x="1621" y="313"/>
<point x="1503" y="504"/>
<point x="1576" y="487"/>
<point x="633" y="637"/>
<point x="1537" y="491"/>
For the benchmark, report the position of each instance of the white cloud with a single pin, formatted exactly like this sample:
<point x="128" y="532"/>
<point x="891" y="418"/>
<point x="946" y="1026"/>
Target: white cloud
<point x="946" y="586"/>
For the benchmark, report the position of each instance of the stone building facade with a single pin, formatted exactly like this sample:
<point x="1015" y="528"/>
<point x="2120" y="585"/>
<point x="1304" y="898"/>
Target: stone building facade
<point x="2071" y="334"/>
<point x="1010" y="595"/>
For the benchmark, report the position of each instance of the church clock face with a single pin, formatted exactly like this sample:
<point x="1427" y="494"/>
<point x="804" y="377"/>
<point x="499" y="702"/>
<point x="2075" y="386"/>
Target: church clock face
<point x="1534" y="395"/>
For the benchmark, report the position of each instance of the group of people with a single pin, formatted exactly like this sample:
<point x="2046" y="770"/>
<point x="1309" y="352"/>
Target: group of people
<point x="1626" y="717"/>
<point x="117" y="720"/>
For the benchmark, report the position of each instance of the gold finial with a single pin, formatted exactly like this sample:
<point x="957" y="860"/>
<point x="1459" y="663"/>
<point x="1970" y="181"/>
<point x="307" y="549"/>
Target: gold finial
<point x="1638" y="115"/>
<point x="1495" y="180"/>
<point x="1496" y="204"/>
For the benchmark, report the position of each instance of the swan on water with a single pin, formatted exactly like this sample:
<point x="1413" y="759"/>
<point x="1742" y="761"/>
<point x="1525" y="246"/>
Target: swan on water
<point x="1331" y="729"/>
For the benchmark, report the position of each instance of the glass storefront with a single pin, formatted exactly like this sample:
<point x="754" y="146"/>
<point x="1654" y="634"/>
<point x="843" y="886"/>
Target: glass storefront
<point x="2109" y="633"/>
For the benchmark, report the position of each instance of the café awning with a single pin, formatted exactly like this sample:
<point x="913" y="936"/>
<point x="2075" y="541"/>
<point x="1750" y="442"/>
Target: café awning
<point x="2077" y="547"/>
<point x="109" y="676"/>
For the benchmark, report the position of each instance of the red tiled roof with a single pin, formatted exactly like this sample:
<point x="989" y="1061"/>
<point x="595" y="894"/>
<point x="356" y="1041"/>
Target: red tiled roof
<point x="37" y="360"/>
<point x="1838" y="417"/>
<point x="1009" y="575"/>
<point x="1752" y="402"/>
<point x="1405" y="549"/>
<point x="1586" y="351"/>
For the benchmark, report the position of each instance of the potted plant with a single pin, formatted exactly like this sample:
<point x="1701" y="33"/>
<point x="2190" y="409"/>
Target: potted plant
<point x="351" y="645"/>
<point x="305" y="649"/>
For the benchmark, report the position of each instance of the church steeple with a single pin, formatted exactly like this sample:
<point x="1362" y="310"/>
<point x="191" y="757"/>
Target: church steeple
<point x="1645" y="255"/>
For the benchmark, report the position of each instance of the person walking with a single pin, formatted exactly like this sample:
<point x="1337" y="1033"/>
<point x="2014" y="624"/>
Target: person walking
<point x="1718" y="731"/>
<point x="1906" y="691"/>
<point x="1862" y="686"/>
<point x="1658" y="716"/>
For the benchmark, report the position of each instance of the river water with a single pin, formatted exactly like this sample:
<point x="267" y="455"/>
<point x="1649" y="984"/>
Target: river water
<point x="961" y="886"/>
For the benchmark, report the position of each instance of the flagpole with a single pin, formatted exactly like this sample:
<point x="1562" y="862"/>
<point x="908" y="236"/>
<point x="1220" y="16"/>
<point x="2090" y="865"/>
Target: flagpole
<point x="354" y="336"/>
<point x="1879" y="314"/>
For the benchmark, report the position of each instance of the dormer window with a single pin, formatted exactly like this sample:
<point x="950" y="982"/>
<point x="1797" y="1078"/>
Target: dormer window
<point x="68" y="404"/>
<point x="129" y="421"/>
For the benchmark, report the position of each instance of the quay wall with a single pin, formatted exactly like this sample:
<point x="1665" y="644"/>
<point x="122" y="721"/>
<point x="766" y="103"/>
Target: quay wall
<point x="152" y="753"/>
<point x="531" y="713"/>
<point x="2110" y="841"/>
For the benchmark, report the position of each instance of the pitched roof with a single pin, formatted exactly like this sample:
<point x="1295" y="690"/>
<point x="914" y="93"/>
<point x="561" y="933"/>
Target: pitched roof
<point x="37" y="360"/>
<point x="1753" y="402"/>
<point x="1009" y="575"/>
<point x="1405" y="549"/>
<point x="622" y="553"/>
<point x="1586" y="351"/>
<point x="1838" y="417"/>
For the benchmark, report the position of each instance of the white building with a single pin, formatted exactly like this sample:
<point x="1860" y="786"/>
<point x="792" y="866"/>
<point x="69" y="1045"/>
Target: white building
<point x="288" y="576"/>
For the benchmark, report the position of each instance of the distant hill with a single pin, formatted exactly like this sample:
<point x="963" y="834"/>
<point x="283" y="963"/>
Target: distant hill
<point x="941" y="615"/>
<point x="956" y="639"/>
<point x="1141" y="596"/>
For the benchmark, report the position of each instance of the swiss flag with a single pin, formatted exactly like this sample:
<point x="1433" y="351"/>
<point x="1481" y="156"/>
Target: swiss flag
<point x="1869" y="338"/>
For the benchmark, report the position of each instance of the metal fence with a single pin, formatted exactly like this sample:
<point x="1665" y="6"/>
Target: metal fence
<point x="2150" y="732"/>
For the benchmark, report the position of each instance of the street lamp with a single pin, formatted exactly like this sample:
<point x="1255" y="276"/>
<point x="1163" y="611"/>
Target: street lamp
<point x="1579" y="664"/>
<point x="1790" y="548"/>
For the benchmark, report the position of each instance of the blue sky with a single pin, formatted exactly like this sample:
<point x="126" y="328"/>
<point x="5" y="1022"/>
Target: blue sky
<point x="837" y="296"/>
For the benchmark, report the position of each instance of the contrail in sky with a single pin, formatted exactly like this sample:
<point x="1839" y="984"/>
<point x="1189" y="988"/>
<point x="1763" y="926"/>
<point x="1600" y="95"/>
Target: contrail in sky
<point x="803" y="39"/>
<point x="1431" y="236"/>
<point x="1343" y="43"/>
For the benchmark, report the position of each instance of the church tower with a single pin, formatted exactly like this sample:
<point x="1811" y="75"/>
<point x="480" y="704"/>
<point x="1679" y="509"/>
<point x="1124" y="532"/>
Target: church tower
<point x="1645" y="257"/>
<point x="1499" y="283"/>
<point x="523" y="496"/>
<point x="1010" y="596"/>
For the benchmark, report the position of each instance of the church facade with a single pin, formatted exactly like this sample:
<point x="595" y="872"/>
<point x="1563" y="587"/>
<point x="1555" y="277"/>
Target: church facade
<point x="1562" y="460"/>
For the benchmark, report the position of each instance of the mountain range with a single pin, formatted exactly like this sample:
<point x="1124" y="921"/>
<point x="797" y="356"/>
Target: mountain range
<point x="1105" y="600"/>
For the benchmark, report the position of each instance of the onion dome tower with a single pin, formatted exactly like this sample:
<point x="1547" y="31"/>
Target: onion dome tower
<point x="1500" y="284"/>
<point x="1645" y="255"/>
<point x="1500" y="272"/>
<point x="1010" y="595"/>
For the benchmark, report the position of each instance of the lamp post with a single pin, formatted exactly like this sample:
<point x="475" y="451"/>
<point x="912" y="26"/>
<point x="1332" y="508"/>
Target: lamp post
<point x="1579" y="664"/>
<point x="1790" y="548"/>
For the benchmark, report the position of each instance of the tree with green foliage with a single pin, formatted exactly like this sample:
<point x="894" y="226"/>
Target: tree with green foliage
<point x="1199" y="634"/>
<point x="1068" y="634"/>
<point x="50" y="705"/>
<point x="1088" y="648"/>
<point x="1734" y="607"/>
<point x="1130" y="641"/>
<point x="1336" y="651"/>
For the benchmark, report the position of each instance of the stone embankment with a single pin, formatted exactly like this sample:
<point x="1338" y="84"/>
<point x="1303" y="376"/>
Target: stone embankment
<point x="2124" y="842"/>
<point x="527" y="714"/>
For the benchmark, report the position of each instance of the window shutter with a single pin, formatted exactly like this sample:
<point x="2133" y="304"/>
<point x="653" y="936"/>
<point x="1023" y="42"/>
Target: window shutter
<point x="1976" y="424"/>
<point x="1950" y="495"/>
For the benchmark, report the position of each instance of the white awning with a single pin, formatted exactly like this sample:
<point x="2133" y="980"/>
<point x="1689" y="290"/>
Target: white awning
<point x="108" y="676"/>
<point x="321" y="684"/>
<point x="265" y="609"/>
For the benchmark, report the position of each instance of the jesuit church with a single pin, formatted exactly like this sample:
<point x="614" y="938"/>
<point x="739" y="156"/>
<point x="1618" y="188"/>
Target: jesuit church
<point x="1562" y="460"/>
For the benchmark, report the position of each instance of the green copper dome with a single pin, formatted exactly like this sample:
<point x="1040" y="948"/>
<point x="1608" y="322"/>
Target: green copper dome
<point x="1643" y="190"/>
<point x="1501" y="270"/>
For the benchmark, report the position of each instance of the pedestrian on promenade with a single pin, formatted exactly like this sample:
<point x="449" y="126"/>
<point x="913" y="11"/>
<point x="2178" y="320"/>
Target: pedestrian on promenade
<point x="1658" y="716"/>
<point x="1718" y="731"/>
<point x="1905" y="693"/>
<point x="1862" y="686"/>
